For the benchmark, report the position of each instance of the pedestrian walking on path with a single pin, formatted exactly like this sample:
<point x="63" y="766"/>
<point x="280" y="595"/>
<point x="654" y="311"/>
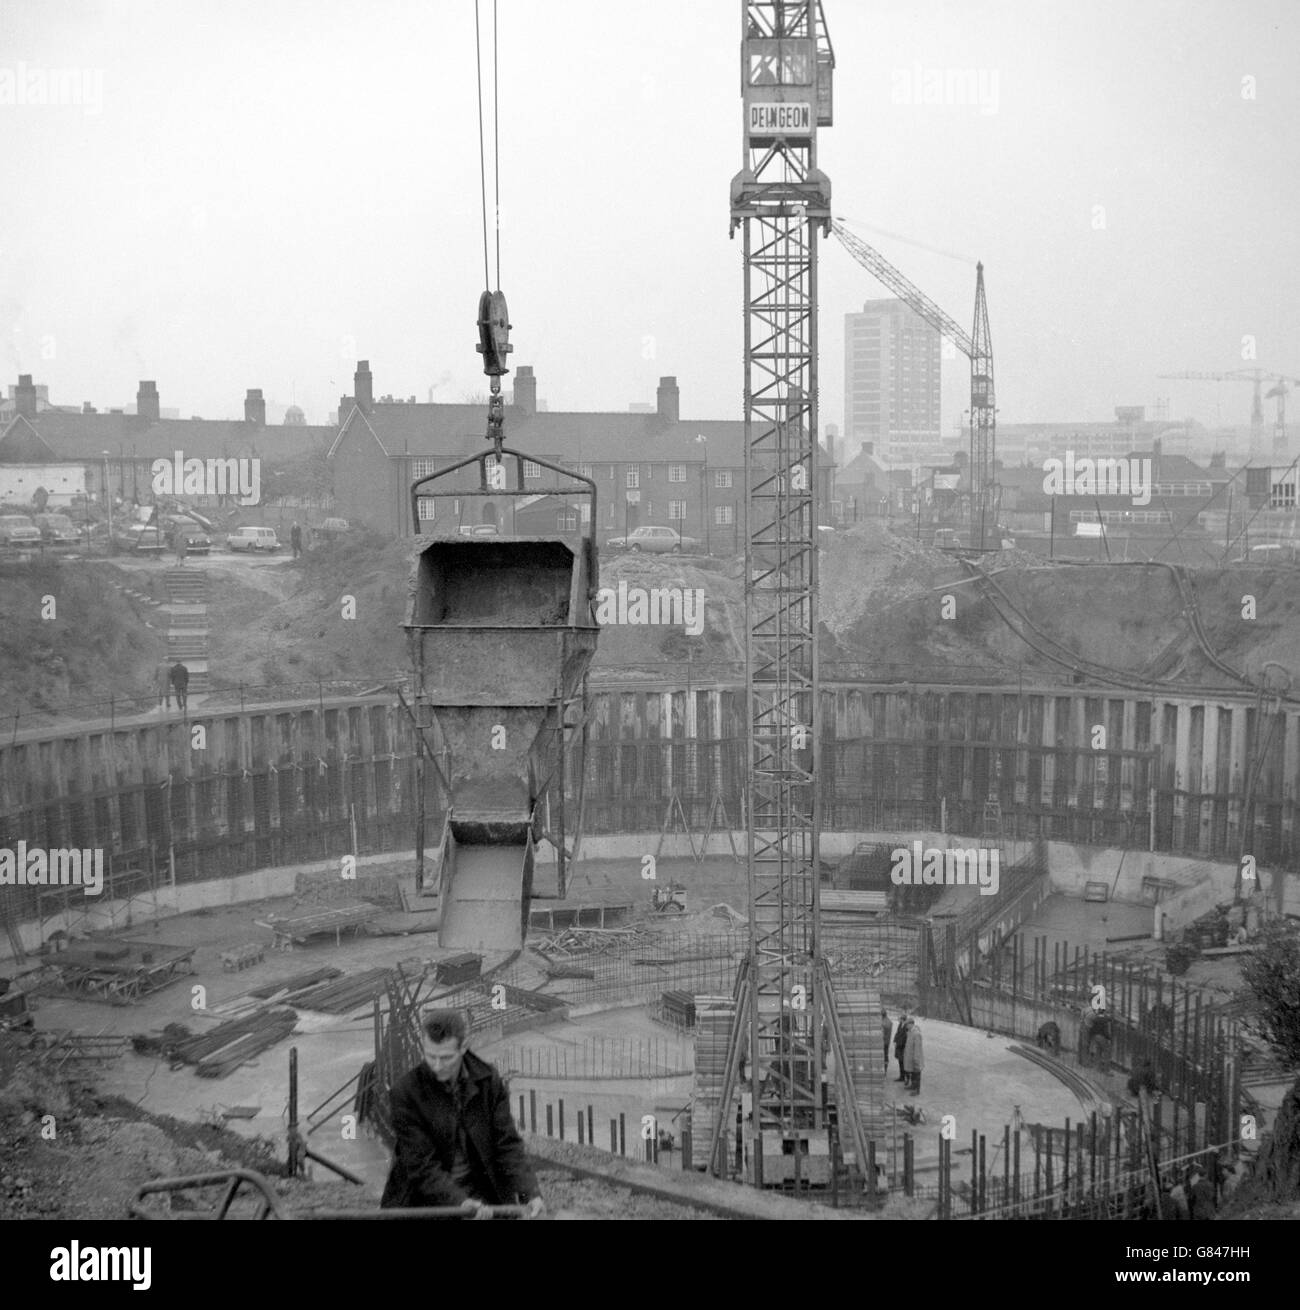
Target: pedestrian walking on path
<point x="180" y="677"/>
<point x="164" y="685"/>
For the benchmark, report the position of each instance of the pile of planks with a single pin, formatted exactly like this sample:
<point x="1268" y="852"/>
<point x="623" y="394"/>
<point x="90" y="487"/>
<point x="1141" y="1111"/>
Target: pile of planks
<point x="216" y="1053"/>
<point x="285" y="991"/>
<point x="345" y="994"/>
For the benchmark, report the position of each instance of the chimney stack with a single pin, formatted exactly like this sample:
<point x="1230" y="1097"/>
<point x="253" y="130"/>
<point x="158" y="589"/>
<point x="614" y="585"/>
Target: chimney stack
<point x="25" y="396"/>
<point x="146" y="401"/>
<point x="525" y="389"/>
<point x="255" y="408"/>
<point x="88" y="408"/>
<point x="668" y="400"/>
<point x="363" y="386"/>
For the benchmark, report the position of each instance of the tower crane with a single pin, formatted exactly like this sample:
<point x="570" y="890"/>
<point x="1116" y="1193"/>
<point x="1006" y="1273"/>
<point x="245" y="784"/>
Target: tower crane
<point x="978" y="348"/>
<point x="783" y="1019"/>
<point x="1256" y="376"/>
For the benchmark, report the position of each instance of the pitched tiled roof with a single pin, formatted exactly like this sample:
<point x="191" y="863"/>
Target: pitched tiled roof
<point x="451" y="431"/>
<point x="86" y="436"/>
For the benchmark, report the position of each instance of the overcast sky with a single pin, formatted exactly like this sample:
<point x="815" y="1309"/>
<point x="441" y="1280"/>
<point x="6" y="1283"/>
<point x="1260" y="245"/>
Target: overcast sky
<point x="261" y="191"/>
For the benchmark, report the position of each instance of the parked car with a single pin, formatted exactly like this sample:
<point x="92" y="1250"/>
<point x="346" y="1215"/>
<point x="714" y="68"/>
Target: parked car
<point x="656" y="541"/>
<point x="18" y="530"/>
<point x="253" y="539"/>
<point x="479" y="530"/>
<point x="58" y="530"/>
<point x="197" y="542"/>
<point x="140" y="538"/>
<point x="329" y="530"/>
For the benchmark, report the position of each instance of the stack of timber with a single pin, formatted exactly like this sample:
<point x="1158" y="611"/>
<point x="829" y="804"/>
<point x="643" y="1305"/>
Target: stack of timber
<point x="259" y="998"/>
<point x="215" y="1054"/>
<point x="714" y="1016"/>
<point x="345" y="994"/>
<point x="847" y="908"/>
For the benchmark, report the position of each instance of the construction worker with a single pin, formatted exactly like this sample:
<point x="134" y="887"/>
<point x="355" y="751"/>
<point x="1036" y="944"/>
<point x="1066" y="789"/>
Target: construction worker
<point x="900" y="1045"/>
<point x="1200" y="1194"/>
<point x="180" y="677"/>
<point x="1049" y="1037"/>
<point x="914" y="1058"/>
<point x="455" y="1141"/>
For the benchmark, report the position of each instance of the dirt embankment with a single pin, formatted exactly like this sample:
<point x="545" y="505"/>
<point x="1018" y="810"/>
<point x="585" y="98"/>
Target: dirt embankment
<point x="70" y="637"/>
<point x="887" y="601"/>
<point x="890" y="600"/>
<point x="288" y="622"/>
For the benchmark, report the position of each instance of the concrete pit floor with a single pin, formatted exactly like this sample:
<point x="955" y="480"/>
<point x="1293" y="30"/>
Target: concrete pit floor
<point x="969" y="1075"/>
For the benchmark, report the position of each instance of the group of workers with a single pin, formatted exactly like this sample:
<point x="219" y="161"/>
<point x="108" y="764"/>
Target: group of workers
<point x="909" y="1049"/>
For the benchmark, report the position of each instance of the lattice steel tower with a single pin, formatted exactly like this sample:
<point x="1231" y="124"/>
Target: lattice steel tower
<point x="781" y="201"/>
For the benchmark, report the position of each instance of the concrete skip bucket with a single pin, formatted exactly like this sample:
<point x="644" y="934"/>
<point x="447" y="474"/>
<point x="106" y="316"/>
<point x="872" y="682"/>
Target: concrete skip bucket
<point x="501" y="632"/>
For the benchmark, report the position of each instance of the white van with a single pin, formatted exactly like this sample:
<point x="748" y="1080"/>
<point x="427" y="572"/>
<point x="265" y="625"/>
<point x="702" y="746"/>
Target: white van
<point x="252" y="539"/>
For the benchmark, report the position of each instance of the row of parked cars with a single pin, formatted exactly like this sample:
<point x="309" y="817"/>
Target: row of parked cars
<point x="28" y="531"/>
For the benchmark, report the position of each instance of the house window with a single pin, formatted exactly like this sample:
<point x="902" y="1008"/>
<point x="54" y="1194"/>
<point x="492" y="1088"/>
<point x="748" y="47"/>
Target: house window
<point x="1283" y="496"/>
<point x="611" y="473"/>
<point x="724" y="515"/>
<point x="566" y="520"/>
<point x="586" y="512"/>
<point x="676" y="511"/>
<point x="633" y="478"/>
<point x="722" y="479"/>
<point x="424" y="505"/>
<point x="676" y="472"/>
<point x="532" y="470"/>
<point x="584" y="470"/>
<point x="421" y="468"/>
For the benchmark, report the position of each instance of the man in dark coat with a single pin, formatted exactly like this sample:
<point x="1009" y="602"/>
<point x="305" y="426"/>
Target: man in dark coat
<point x="455" y="1140"/>
<point x="1200" y="1195"/>
<point x="885" y="1029"/>
<point x="900" y="1045"/>
<point x="180" y="683"/>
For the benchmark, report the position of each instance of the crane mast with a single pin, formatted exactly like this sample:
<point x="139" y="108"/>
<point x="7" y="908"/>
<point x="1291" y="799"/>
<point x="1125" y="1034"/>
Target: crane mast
<point x="779" y="202"/>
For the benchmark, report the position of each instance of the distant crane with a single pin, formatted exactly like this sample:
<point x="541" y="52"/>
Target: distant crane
<point x="978" y="348"/>
<point x="1257" y="376"/>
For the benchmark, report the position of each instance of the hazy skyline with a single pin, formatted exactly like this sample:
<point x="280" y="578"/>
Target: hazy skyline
<point x="257" y="195"/>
